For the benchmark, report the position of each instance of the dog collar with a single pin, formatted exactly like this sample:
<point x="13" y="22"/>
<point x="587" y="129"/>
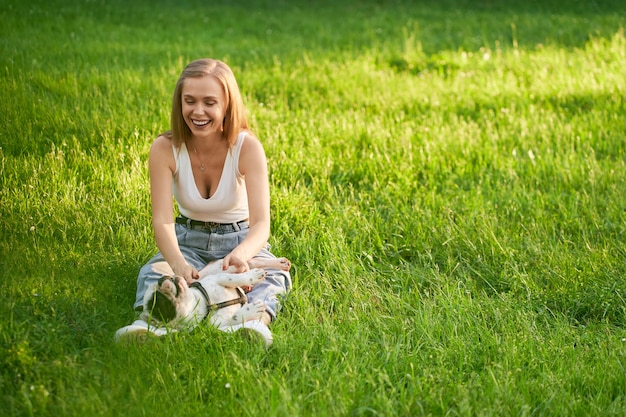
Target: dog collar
<point x="212" y="307"/>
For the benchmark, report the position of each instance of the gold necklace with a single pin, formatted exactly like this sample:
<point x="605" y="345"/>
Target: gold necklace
<point x="202" y="164"/>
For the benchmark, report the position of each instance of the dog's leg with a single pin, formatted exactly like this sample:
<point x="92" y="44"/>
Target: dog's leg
<point x="212" y="268"/>
<point x="282" y="264"/>
<point x="249" y="311"/>
<point x="215" y="267"/>
<point x="251" y="277"/>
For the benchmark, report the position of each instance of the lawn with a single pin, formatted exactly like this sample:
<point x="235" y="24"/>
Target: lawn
<point x="447" y="178"/>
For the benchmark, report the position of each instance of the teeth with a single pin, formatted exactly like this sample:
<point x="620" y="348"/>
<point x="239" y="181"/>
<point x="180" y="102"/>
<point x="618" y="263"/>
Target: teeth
<point x="200" y="123"/>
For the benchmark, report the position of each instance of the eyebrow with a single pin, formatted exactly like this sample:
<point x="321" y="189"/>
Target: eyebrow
<point x="204" y="98"/>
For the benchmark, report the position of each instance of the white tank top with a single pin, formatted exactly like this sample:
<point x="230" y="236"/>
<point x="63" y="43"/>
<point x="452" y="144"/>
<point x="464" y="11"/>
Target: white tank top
<point x="229" y="203"/>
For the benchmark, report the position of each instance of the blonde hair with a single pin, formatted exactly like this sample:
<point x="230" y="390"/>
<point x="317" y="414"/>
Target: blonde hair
<point x="235" y="116"/>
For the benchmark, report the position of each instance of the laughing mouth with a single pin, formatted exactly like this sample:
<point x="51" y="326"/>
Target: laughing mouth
<point x="200" y="123"/>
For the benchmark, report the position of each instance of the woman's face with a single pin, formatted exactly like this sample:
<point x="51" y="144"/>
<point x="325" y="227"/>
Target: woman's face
<point x="204" y="105"/>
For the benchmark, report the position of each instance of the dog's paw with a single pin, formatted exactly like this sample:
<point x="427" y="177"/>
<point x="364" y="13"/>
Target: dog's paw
<point x="282" y="264"/>
<point x="258" y="307"/>
<point x="250" y="311"/>
<point x="256" y="275"/>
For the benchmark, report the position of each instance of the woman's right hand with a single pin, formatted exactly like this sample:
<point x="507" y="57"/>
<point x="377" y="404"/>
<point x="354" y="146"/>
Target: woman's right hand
<point x="186" y="271"/>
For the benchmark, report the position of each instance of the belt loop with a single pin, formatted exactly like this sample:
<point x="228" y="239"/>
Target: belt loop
<point x="236" y="227"/>
<point x="189" y="223"/>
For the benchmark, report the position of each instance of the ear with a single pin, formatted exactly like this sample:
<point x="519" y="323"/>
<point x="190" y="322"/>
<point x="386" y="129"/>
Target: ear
<point x="148" y="295"/>
<point x="161" y="307"/>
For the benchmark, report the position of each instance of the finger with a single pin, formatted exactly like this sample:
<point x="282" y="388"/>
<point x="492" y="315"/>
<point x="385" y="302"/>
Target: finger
<point x="239" y="267"/>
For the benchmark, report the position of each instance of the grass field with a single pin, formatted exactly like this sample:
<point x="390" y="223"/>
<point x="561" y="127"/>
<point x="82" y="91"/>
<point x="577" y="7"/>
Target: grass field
<point x="447" y="178"/>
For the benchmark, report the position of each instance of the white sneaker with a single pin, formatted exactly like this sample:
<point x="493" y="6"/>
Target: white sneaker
<point x="138" y="331"/>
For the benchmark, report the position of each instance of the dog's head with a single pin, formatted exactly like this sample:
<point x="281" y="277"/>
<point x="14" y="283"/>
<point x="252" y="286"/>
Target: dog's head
<point x="163" y="300"/>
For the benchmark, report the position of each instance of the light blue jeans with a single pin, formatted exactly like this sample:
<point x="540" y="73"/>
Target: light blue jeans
<point x="200" y="246"/>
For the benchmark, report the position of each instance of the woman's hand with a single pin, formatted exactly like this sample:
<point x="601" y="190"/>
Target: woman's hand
<point x="186" y="271"/>
<point x="237" y="261"/>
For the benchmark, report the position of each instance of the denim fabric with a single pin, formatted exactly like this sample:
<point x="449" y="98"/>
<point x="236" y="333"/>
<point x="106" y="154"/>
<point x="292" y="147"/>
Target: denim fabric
<point x="199" y="247"/>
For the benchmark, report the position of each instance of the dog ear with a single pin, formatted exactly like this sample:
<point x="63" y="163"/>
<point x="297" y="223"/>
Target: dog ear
<point x="161" y="307"/>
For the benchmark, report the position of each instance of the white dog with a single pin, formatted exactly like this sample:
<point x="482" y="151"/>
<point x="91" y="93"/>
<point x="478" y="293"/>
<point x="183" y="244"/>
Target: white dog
<point x="216" y="296"/>
<point x="172" y="304"/>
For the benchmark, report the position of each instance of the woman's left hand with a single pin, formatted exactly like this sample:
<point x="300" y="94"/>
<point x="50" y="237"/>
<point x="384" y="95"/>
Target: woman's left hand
<point x="232" y="259"/>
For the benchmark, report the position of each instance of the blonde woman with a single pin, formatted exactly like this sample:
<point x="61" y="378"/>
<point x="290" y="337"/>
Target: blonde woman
<point x="216" y="170"/>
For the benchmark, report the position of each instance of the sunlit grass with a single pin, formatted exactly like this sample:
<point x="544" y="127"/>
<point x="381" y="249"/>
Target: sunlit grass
<point x="447" y="179"/>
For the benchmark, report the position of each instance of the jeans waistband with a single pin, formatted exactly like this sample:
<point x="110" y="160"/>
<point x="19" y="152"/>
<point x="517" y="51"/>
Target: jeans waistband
<point x="211" y="226"/>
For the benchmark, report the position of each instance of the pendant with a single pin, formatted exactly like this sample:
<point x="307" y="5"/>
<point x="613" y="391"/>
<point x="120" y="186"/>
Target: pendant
<point x="202" y="167"/>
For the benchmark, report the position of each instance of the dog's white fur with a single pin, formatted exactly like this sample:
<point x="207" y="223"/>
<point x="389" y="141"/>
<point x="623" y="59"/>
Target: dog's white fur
<point x="191" y="306"/>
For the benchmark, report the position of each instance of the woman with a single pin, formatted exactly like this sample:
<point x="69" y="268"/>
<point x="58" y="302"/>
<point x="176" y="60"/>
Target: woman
<point x="216" y="170"/>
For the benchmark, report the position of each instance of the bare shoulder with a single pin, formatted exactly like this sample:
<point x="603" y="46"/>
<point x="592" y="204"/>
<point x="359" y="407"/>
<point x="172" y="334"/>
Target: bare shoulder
<point x="252" y="153"/>
<point x="252" y="147"/>
<point x="161" y="144"/>
<point x="251" y="142"/>
<point x="161" y="152"/>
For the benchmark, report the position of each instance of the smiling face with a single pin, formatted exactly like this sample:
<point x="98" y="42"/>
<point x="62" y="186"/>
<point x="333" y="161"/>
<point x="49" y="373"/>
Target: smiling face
<point x="203" y="105"/>
<point x="232" y="108"/>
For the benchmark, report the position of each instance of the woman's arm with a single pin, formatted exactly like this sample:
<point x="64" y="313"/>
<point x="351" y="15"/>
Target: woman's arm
<point x="253" y="166"/>
<point x="162" y="167"/>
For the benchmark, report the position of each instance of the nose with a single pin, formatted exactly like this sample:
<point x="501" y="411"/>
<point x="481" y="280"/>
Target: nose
<point x="163" y="279"/>
<point x="198" y="108"/>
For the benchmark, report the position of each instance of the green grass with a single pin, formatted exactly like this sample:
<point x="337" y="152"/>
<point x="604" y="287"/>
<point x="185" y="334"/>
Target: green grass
<point x="447" y="178"/>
